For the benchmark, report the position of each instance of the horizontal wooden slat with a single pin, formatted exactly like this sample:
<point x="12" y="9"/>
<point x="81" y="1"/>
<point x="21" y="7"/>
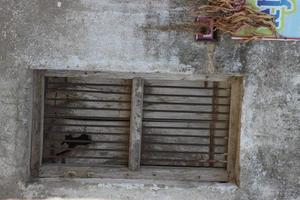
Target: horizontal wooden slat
<point x="86" y="118"/>
<point x="89" y="130"/>
<point x="90" y="87"/>
<point x="87" y="96"/>
<point x="87" y="104"/>
<point x="87" y="91"/>
<point x="117" y="149"/>
<point x="89" y="80"/>
<point x="187" y="163"/>
<point x="180" y="148"/>
<point x="154" y="173"/>
<point x="85" y="153"/>
<point x="187" y="108"/>
<point x="186" y="116"/>
<point x="60" y="136"/>
<point x="186" y="132"/>
<point x="174" y="156"/>
<point x="184" y="125"/>
<point x="88" y="161"/>
<point x="180" y="155"/>
<point x="183" y="100"/>
<point x="181" y="139"/>
<point x="87" y="113"/>
<point x="95" y="145"/>
<point x="184" y="83"/>
<point x="184" y="92"/>
<point x="87" y="123"/>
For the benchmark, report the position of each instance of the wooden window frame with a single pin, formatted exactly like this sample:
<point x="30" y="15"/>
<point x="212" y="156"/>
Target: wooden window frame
<point x="134" y="169"/>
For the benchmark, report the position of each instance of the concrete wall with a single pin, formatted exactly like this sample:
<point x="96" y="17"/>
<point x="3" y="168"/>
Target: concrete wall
<point x="110" y="35"/>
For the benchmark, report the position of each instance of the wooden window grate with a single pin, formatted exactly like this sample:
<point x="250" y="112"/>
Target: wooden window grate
<point x="135" y="127"/>
<point x="185" y="123"/>
<point x="86" y="121"/>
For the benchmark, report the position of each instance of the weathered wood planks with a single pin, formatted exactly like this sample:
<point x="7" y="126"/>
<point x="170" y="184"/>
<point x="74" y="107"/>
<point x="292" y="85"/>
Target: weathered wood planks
<point x="136" y="124"/>
<point x="189" y="118"/>
<point x="98" y="109"/>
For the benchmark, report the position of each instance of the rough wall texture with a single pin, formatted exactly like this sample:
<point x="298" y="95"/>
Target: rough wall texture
<point x="109" y="35"/>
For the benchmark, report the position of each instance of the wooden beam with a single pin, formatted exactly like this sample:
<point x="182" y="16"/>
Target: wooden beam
<point x="152" y="173"/>
<point x="136" y="124"/>
<point x="130" y="75"/>
<point x="38" y="84"/>
<point x="233" y="164"/>
<point x="213" y="124"/>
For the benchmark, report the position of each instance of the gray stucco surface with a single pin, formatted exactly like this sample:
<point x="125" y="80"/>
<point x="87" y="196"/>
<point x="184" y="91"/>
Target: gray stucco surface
<point x="108" y="35"/>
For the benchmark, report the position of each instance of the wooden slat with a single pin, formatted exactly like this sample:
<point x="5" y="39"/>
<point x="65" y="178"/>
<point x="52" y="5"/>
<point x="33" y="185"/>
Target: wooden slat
<point x="183" y="132"/>
<point x="86" y="153"/>
<point x="89" y="130"/>
<point x="87" y="104"/>
<point x="136" y="124"/>
<point x="181" y="163"/>
<point x="38" y="84"/>
<point x="87" y="123"/>
<point x="186" y="116"/>
<point x="212" y="124"/>
<point x="129" y="75"/>
<point x="87" y="113"/>
<point x="89" y="80"/>
<point x="183" y="83"/>
<point x="184" y="125"/>
<point x="77" y="95"/>
<point x="94" y="137"/>
<point x="95" y="145"/>
<point x="90" y="88"/>
<point x="175" y="156"/>
<point x="83" y="148"/>
<point x="182" y="139"/>
<point x="192" y="108"/>
<point x="89" y="161"/>
<point x="183" y="100"/>
<point x="184" y="92"/>
<point x="183" y="156"/>
<point x="233" y="166"/>
<point x="181" y="148"/>
<point x="189" y="163"/>
<point x="154" y="173"/>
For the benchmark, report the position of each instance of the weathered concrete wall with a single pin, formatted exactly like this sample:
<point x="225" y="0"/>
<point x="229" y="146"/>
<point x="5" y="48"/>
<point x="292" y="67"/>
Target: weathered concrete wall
<point x="108" y="35"/>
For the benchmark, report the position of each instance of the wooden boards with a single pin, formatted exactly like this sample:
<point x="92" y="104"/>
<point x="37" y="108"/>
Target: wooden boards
<point x="87" y="121"/>
<point x="168" y="127"/>
<point x="233" y="165"/>
<point x="38" y="85"/>
<point x="154" y="173"/>
<point x="136" y="124"/>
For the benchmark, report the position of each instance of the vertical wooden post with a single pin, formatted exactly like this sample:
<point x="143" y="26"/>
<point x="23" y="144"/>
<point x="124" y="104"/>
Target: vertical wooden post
<point x="136" y="124"/>
<point x="38" y="84"/>
<point x="213" y="125"/>
<point x="233" y="162"/>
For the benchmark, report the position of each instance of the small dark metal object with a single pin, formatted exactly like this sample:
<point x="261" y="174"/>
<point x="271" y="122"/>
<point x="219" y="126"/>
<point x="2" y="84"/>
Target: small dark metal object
<point x="72" y="142"/>
<point x="207" y="30"/>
